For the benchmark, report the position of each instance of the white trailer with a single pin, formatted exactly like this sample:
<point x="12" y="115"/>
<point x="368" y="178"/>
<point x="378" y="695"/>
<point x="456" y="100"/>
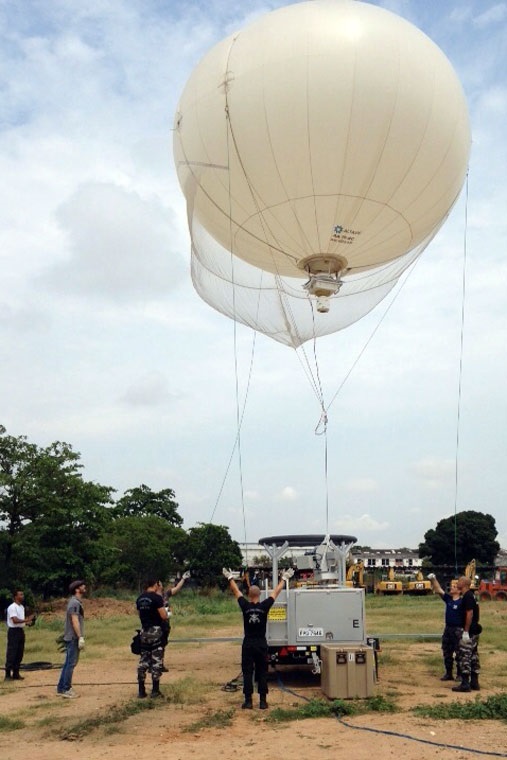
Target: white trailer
<point x="320" y="610"/>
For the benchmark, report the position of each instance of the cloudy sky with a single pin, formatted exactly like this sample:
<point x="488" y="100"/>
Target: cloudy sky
<point x="105" y="345"/>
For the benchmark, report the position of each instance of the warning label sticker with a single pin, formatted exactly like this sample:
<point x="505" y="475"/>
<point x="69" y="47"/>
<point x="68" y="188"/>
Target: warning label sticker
<point x="277" y="614"/>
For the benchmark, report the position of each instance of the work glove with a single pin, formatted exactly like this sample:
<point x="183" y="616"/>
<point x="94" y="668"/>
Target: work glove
<point x="81" y="642"/>
<point x="465" y="636"/>
<point x="230" y="574"/>
<point x="287" y="574"/>
<point x="186" y="575"/>
<point x="169" y="611"/>
<point x="431" y="576"/>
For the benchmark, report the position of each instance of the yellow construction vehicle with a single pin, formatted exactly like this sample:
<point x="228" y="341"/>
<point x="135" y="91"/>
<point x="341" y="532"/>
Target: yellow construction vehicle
<point x="470" y="573"/>
<point x="418" y="586"/>
<point x="355" y="575"/>
<point x="389" y="586"/>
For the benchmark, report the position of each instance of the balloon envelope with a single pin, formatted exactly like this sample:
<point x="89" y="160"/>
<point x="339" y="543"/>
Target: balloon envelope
<point x="326" y="134"/>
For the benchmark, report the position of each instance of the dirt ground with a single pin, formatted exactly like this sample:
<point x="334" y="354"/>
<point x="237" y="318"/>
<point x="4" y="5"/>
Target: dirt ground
<point x="106" y="683"/>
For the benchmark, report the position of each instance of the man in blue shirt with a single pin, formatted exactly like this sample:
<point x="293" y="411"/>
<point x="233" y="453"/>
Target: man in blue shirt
<point x="453" y="630"/>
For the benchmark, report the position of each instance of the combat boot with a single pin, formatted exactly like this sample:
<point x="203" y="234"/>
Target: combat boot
<point x="7" y="675"/>
<point x="474" y="682"/>
<point x="447" y="676"/>
<point x="155" y="692"/>
<point x="463" y="686"/>
<point x="16" y="676"/>
<point x="263" y="705"/>
<point x="247" y="704"/>
<point x="142" y="689"/>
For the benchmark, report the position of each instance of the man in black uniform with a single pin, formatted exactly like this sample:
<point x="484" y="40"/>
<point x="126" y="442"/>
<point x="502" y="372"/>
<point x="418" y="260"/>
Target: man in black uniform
<point x="152" y="615"/>
<point x="166" y="624"/>
<point x="468" y="655"/>
<point x="254" y="652"/>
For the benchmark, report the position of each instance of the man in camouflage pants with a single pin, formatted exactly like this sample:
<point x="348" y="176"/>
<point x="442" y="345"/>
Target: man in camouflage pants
<point x="152" y="613"/>
<point x="468" y="655"/>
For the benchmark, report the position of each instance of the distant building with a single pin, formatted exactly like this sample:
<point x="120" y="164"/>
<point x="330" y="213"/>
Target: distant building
<point x="406" y="560"/>
<point x="401" y="559"/>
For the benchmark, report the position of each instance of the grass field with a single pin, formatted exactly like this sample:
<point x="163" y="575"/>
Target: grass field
<point x="410" y="667"/>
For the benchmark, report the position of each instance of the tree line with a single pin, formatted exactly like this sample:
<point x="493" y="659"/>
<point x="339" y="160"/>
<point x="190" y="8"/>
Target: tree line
<point x="56" y="526"/>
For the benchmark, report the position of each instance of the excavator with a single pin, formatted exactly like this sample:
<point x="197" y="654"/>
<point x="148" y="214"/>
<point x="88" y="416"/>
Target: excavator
<point x="391" y="586"/>
<point x="355" y="575"/>
<point x="470" y="573"/>
<point x="418" y="586"/>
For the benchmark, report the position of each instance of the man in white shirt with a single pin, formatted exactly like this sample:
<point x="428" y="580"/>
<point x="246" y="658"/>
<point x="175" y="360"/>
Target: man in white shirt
<point x="16" y="622"/>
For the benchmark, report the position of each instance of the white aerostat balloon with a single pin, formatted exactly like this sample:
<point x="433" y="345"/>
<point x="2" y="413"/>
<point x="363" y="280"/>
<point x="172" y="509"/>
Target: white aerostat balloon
<point x="319" y="151"/>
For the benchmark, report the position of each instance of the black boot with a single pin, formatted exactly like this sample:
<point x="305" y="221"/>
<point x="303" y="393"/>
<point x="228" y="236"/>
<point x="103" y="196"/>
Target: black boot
<point x="247" y="704"/>
<point x="263" y="705"/>
<point x="16" y="676"/>
<point x="463" y="686"/>
<point x="474" y="682"/>
<point x="142" y="688"/>
<point x="447" y="676"/>
<point x="155" y="692"/>
<point x="7" y="675"/>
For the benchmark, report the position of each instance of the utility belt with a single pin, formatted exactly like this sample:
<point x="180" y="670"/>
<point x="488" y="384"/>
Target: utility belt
<point x="151" y="637"/>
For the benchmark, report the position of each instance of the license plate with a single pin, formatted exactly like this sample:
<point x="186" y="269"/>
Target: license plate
<point x="310" y="633"/>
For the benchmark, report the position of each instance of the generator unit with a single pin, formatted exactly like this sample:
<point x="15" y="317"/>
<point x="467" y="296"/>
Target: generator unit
<point x="318" y="609"/>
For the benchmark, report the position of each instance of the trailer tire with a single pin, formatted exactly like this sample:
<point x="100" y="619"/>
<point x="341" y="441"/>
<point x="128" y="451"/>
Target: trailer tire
<point x="485" y="596"/>
<point x="501" y="596"/>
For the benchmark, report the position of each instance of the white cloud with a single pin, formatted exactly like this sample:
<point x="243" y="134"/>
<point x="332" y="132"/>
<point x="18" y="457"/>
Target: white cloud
<point x="288" y="494"/>
<point x="361" y="485"/>
<point x="119" y="243"/>
<point x="150" y="390"/>
<point x="361" y="524"/>
<point x="492" y="16"/>
<point x="434" y="472"/>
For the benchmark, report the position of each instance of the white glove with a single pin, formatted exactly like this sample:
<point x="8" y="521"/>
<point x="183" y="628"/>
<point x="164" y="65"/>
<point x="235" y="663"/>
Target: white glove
<point x="81" y="642"/>
<point x="227" y="572"/>
<point x="431" y="576"/>
<point x="169" y="612"/>
<point x="287" y="574"/>
<point x="465" y="636"/>
<point x="186" y="575"/>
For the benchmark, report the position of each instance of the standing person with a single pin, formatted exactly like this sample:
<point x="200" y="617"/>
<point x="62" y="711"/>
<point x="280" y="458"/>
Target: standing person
<point x="73" y="637"/>
<point x="254" y="652"/>
<point x="166" y="624"/>
<point x="153" y="615"/>
<point x="453" y="624"/>
<point x="16" y="622"/>
<point x="468" y="654"/>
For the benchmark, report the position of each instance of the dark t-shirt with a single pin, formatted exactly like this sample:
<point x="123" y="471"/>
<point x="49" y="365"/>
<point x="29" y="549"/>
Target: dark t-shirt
<point x="255" y="617"/>
<point x="453" y="615"/>
<point x="468" y="602"/>
<point x="148" y="605"/>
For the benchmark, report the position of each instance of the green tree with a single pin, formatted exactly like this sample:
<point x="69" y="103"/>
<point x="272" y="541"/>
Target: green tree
<point x="208" y="549"/>
<point x="143" y="547"/>
<point x="54" y="520"/>
<point x="143" y="502"/>
<point x="472" y="533"/>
